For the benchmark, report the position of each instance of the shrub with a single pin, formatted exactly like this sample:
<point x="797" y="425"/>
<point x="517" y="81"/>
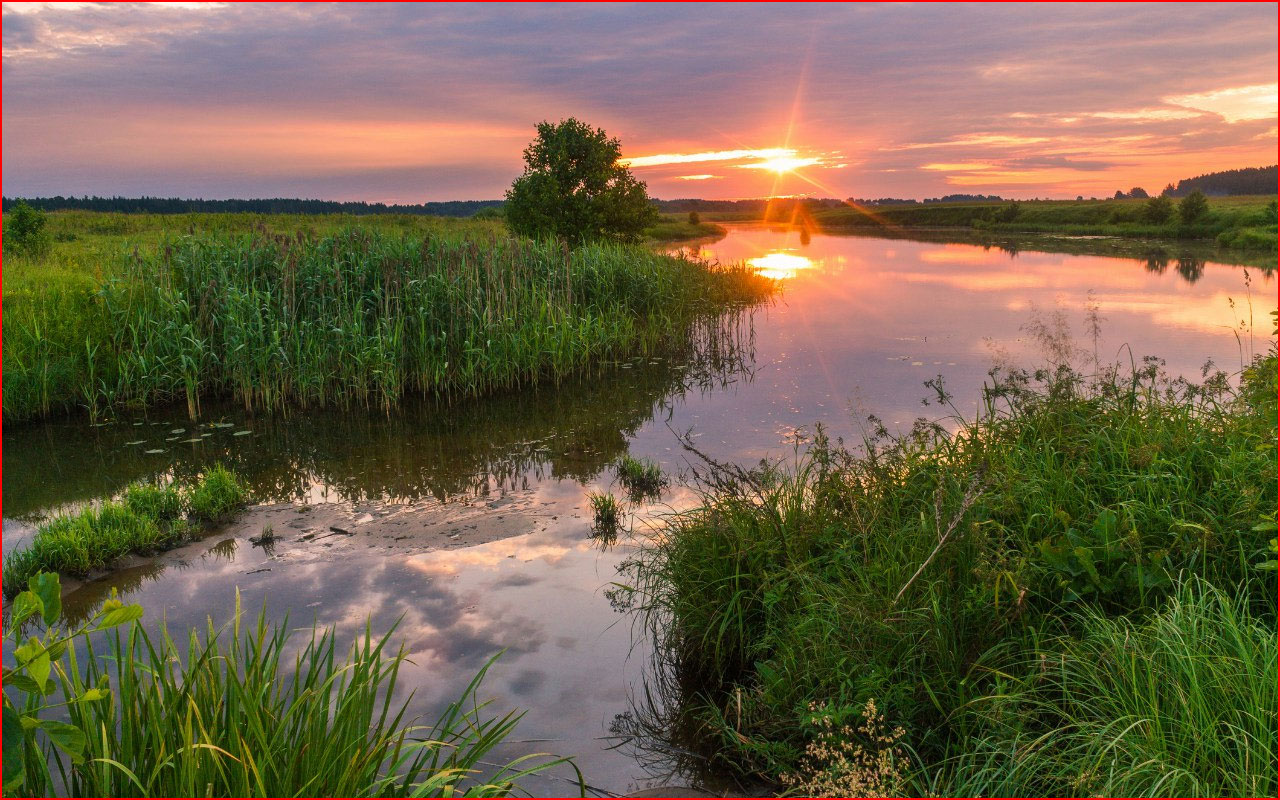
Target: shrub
<point x="26" y="231"/>
<point x="1158" y="210"/>
<point x="694" y="219"/>
<point x="1008" y="212"/>
<point x="1192" y="207"/>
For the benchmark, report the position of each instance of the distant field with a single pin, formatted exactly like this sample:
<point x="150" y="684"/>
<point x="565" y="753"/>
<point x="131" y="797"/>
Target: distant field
<point x="1238" y="222"/>
<point x="87" y="244"/>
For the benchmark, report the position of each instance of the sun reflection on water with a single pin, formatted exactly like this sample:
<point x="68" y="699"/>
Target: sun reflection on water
<point x="780" y="266"/>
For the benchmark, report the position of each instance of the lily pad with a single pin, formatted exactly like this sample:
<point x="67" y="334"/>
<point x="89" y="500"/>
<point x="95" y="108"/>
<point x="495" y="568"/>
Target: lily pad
<point x="242" y="433"/>
<point x="161" y="450"/>
<point x="131" y="444"/>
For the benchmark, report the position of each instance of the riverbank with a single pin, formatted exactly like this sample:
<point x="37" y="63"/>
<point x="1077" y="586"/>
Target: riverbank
<point x="673" y="228"/>
<point x="1240" y="223"/>
<point x="329" y="314"/>
<point x="1073" y="594"/>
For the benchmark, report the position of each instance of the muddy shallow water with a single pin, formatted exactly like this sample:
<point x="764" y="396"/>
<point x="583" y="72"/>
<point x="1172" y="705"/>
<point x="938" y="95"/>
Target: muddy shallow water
<point x="467" y="521"/>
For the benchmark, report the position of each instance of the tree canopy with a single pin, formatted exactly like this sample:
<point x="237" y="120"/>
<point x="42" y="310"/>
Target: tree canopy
<point x="575" y="187"/>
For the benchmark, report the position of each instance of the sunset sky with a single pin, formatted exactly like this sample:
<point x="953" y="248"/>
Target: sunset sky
<point x="402" y="103"/>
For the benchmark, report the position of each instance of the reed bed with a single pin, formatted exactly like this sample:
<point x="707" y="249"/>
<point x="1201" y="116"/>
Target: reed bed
<point x="358" y="318"/>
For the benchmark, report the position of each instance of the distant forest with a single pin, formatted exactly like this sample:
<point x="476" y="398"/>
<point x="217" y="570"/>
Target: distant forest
<point x="277" y="205"/>
<point x="1252" y="180"/>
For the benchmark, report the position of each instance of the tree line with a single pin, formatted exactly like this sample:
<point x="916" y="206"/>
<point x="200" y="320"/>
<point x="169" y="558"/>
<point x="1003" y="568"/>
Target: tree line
<point x="275" y="205"/>
<point x="1251" y="180"/>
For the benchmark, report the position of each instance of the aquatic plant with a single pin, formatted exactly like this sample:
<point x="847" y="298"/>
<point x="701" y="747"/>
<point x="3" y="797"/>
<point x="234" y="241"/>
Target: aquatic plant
<point x="239" y="711"/>
<point x="641" y="477"/>
<point x="147" y="518"/>
<point x="606" y="516"/>
<point x="358" y="318"/>
<point x="959" y="574"/>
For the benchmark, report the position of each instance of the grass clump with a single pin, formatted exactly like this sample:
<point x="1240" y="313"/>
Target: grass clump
<point x="160" y="503"/>
<point x="1031" y="582"/>
<point x="606" y="513"/>
<point x="641" y="477"/>
<point x="217" y="494"/>
<point x="146" y="519"/>
<point x="1172" y="704"/>
<point x="236" y="711"/>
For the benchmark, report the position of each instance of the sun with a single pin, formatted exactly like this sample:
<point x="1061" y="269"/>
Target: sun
<point x="783" y="164"/>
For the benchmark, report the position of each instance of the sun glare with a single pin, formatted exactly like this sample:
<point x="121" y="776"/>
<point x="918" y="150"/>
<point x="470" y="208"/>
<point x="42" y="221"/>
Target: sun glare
<point x="780" y="266"/>
<point x="782" y="164"/>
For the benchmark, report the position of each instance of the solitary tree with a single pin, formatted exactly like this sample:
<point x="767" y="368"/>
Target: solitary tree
<point x="573" y="187"/>
<point x="1193" y="207"/>
<point x="1139" y="193"/>
<point x="694" y="219"/>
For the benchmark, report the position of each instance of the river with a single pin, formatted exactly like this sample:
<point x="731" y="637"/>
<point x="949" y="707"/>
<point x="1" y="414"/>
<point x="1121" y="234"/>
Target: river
<point x="468" y="521"/>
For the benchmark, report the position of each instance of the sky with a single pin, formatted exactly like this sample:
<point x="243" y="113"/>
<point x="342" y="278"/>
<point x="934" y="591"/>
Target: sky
<point x="408" y="103"/>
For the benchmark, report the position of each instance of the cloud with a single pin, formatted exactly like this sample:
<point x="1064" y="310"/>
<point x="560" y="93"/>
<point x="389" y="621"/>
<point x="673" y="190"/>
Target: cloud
<point x="721" y="155"/>
<point x="236" y="99"/>
<point x="1234" y="104"/>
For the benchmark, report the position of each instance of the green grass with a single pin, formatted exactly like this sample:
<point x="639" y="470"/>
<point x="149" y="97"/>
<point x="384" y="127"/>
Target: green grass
<point x="1234" y="222"/>
<point x="641" y="477"/>
<point x="975" y="585"/>
<point x="218" y="493"/>
<point x="237" y="711"/>
<point x="676" y="227"/>
<point x="1178" y="704"/>
<point x="145" y="519"/>
<point x="359" y="317"/>
<point x="606" y="515"/>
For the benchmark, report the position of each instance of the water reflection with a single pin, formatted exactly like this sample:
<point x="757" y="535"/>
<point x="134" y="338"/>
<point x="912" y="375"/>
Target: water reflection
<point x="425" y="450"/>
<point x="780" y="266"/>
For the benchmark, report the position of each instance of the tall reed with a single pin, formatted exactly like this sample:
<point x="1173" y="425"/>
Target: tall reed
<point x="358" y="318"/>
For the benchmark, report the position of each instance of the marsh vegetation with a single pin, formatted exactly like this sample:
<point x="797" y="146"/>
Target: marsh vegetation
<point x="1073" y="593"/>
<point x="356" y="318"/>
<point x="145" y="519"/>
